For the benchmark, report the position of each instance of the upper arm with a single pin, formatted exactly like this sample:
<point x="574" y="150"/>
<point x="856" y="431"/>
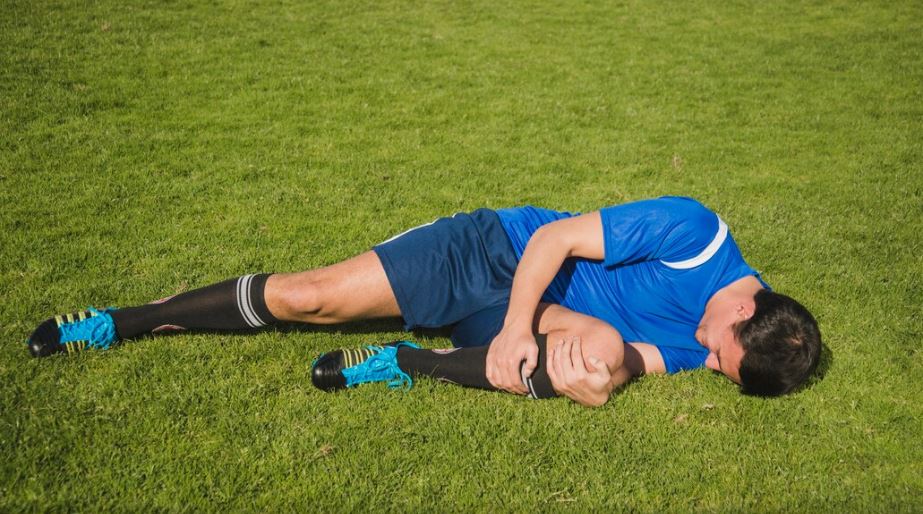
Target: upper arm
<point x="639" y="359"/>
<point x="668" y="228"/>
<point x="581" y="235"/>
<point x="643" y="359"/>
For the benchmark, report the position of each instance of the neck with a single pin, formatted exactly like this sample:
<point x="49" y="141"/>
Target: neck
<point x="743" y="287"/>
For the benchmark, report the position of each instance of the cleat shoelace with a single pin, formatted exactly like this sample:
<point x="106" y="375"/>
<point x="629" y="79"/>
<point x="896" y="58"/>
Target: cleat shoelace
<point x="381" y="365"/>
<point x="97" y="330"/>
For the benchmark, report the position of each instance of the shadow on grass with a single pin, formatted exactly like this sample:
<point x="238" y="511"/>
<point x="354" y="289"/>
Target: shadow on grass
<point x="376" y="326"/>
<point x="363" y="327"/>
<point x="823" y="366"/>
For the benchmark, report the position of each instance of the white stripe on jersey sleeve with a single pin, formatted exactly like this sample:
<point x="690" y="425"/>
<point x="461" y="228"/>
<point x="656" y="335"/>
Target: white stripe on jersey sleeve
<point x="707" y="253"/>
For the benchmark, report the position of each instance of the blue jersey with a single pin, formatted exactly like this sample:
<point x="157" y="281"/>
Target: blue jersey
<point x="664" y="259"/>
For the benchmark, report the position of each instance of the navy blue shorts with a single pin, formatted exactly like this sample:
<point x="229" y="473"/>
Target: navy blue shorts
<point x="453" y="271"/>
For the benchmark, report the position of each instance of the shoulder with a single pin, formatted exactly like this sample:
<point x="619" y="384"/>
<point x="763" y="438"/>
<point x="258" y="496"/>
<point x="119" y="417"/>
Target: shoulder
<point x="663" y="207"/>
<point x="678" y="215"/>
<point x="698" y="234"/>
<point x="531" y="215"/>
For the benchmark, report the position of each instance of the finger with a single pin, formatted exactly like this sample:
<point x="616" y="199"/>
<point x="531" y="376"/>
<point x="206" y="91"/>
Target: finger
<point x="567" y="366"/>
<point x="576" y="355"/>
<point x="559" y="363"/>
<point x="489" y="368"/>
<point x="553" y="369"/>
<point x="549" y="358"/>
<point x="511" y="377"/>
<point x="550" y="350"/>
<point x="492" y="378"/>
<point x="502" y="380"/>
<point x="600" y="368"/>
<point x="528" y="368"/>
<point x="593" y="364"/>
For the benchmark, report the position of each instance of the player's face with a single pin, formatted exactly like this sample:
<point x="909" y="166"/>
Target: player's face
<point x="716" y="332"/>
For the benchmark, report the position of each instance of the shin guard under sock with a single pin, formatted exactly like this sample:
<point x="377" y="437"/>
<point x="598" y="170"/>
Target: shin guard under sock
<point x="468" y="367"/>
<point x="230" y="305"/>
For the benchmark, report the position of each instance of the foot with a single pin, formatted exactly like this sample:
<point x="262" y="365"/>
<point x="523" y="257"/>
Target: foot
<point x="72" y="333"/>
<point x="340" y="369"/>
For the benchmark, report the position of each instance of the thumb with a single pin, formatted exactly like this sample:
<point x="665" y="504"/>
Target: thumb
<point x="531" y="361"/>
<point x="598" y="366"/>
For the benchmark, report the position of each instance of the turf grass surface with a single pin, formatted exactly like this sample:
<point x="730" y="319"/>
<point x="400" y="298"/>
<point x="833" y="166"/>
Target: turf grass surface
<point x="147" y="148"/>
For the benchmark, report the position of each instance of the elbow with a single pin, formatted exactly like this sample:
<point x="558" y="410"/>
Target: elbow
<point x="551" y="237"/>
<point x="608" y="345"/>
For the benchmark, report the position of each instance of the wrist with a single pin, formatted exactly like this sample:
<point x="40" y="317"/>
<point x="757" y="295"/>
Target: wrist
<point x="517" y="325"/>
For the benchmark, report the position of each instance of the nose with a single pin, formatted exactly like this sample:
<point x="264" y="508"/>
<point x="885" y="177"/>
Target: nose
<point x="711" y="362"/>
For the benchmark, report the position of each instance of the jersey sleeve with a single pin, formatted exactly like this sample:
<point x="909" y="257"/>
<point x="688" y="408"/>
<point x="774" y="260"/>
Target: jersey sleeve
<point x="682" y="359"/>
<point x="667" y="228"/>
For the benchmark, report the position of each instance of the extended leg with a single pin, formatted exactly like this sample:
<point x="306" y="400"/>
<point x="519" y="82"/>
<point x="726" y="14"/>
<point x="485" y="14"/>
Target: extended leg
<point x="354" y="289"/>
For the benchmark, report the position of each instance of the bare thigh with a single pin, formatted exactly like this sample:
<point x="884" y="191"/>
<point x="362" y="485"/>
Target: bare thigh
<point x="354" y="289"/>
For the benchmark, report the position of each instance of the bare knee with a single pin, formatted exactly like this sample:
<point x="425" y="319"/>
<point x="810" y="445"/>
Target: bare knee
<point x="598" y="339"/>
<point x="304" y="297"/>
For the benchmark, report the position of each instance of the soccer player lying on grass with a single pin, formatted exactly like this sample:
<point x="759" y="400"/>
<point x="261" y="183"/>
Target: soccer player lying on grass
<point x="663" y="275"/>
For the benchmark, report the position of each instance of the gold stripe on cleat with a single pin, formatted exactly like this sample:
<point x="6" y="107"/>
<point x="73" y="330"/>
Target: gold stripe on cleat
<point x="59" y="320"/>
<point x="70" y="318"/>
<point x="82" y="316"/>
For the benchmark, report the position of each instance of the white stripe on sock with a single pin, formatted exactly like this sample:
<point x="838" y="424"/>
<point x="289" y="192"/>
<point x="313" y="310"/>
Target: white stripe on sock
<point x="239" y="306"/>
<point x="243" y="287"/>
<point x="248" y="303"/>
<point x="527" y="381"/>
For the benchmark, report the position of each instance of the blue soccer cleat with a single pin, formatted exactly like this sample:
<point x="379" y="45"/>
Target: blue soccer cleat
<point x="73" y="333"/>
<point x="340" y="369"/>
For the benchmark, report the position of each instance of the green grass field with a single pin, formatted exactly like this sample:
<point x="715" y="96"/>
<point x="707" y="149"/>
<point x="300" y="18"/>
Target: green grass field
<point x="152" y="147"/>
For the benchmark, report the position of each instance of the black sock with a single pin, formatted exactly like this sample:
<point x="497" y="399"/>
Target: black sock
<point x="468" y="367"/>
<point x="233" y="304"/>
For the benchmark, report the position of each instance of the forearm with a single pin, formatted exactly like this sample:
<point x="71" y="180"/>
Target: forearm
<point x="540" y="262"/>
<point x="513" y="350"/>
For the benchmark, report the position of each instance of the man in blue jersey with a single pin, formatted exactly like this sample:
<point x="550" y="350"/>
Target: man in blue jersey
<point x="541" y="302"/>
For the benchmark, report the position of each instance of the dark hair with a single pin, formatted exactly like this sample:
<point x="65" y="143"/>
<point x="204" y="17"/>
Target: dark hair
<point x="781" y="343"/>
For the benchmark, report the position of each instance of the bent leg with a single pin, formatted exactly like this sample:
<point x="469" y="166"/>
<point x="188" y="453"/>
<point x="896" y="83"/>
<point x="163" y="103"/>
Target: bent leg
<point x="466" y="365"/>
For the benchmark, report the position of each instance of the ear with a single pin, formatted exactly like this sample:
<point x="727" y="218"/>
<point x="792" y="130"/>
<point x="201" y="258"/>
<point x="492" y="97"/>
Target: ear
<point x="745" y="309"/>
